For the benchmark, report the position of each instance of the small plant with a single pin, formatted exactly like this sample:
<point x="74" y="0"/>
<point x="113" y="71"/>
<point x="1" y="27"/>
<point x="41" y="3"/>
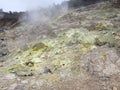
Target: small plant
<point x="100" y="26"/>
<point x="39" y="46"/>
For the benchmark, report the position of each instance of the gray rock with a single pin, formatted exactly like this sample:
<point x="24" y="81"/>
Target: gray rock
<point x="3" y="52"/>
<point x="47" y="70"/>
<point x="101" y="62"/>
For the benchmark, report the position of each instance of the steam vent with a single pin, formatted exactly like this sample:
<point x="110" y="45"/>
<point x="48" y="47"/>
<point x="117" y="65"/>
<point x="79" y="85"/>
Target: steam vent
<point x="74" y="45"/>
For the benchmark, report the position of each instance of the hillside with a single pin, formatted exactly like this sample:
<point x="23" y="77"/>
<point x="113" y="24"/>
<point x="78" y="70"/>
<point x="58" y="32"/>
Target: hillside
<point x="77" y="50"/>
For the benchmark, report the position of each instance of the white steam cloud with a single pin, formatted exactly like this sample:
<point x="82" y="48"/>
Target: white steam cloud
<point x="23" y="5"/>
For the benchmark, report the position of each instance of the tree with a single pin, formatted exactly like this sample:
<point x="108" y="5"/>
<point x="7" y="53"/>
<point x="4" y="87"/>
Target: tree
<point x="1" y="10"/>
<point x="115" y="3"/>
<point x="78" y="3"/>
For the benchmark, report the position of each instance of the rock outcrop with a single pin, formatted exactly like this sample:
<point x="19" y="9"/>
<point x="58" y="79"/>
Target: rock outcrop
<point x="3" y="44"/>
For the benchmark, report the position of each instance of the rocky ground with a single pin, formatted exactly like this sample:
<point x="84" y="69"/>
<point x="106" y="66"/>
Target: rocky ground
<point x="79" y="50"/>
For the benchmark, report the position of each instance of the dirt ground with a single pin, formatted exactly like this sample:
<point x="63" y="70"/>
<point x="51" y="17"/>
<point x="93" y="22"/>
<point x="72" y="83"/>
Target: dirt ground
<point x="79" y="50"/>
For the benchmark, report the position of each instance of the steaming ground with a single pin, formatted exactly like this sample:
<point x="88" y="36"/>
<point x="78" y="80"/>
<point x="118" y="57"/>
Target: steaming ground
<point x="76" y="50"/>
